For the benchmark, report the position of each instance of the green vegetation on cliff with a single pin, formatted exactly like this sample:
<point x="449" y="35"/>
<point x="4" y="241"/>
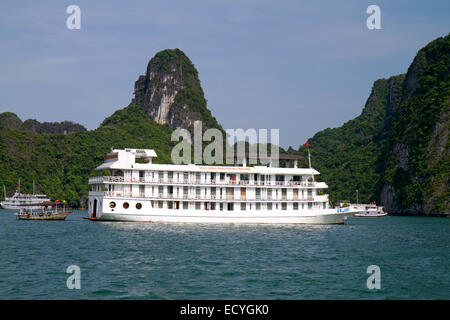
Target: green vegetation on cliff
<point x="419" y="163"/>
<point x="348" y="157"/>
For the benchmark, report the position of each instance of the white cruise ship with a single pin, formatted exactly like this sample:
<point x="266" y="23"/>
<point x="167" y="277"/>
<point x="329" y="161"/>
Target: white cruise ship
<point x="20" y="200"/>
<point x="136" y="191"/>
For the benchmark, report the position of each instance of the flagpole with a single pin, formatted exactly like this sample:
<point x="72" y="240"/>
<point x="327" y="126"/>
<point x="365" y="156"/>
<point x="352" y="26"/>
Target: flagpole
<point x="309" y="154"/>
<point x="309" y="158"/>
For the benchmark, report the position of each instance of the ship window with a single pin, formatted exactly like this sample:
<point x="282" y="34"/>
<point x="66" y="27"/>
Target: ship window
<point x="185" y="205"/>
<point x="197" y="206"/>
<point x="160" y="204"/>
<point x="269" y="206"/>
<point x="170" y="204"/>
<point x="283" y="206"/>
<point x="295" y="205"/>
<point x="138" y="205"/>
<point x="258" y="206"/>
<point x="126" y="205"/>
<point x="244" y="177"/>
<point x="243" y="206"/>
<point x="112" y="204"/>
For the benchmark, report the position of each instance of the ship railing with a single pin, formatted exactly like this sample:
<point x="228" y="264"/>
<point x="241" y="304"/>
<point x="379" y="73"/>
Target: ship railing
<point x="207" y="182"/>
<point x="161" y="196"/>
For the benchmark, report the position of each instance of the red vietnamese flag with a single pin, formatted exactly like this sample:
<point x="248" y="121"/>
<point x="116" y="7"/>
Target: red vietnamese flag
<point x="307" y="144"/>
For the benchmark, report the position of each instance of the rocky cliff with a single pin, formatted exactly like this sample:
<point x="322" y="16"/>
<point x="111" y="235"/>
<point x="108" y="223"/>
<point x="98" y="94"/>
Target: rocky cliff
<point x="417" y="165"/>
<point x="170" y="92"/>
<point x="11" y="120"/>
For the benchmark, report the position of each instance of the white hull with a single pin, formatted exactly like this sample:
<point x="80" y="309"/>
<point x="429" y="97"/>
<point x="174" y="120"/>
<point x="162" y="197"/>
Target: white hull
<point x="325" y="216"/>
<point x="17" y="207"/>
<point x="372" y="215"/>
<point x="236" y="219"/>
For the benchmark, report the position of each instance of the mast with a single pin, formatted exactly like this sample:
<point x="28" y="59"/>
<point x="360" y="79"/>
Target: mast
<point x="4" y="190"/>
<point x="19" y="185"/>
<point x="33" y="187"/>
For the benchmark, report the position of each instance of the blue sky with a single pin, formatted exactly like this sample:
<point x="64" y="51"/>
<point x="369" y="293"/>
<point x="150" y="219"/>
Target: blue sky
<point x="300" y="66"/>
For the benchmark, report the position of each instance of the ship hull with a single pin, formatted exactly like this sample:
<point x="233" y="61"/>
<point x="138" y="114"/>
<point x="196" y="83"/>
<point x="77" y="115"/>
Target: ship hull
<point x="326" y="216"/>
<point x="235" y="219"/>
<point x="17" y="207"/>
<point x="370" y="215"/>
<point x="52" y="216"/>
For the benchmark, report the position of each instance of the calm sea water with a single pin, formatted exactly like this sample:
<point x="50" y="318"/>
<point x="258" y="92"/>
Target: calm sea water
<point x="186" y="261"/>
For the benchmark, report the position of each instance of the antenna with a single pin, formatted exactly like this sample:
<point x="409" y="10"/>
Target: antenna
<point x="309" y="158"/>
<point x="33" y="186"/>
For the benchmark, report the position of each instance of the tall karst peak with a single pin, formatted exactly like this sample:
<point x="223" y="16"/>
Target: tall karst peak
<point x="170" y="92"/>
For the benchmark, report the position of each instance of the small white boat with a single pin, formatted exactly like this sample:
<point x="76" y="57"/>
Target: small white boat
<point x="371" y="210"/>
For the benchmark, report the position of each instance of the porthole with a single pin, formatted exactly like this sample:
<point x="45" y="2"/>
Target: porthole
<point x="126" y="205"/>
<point x="138" y="205"/>
<point x="112" y="204"/>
